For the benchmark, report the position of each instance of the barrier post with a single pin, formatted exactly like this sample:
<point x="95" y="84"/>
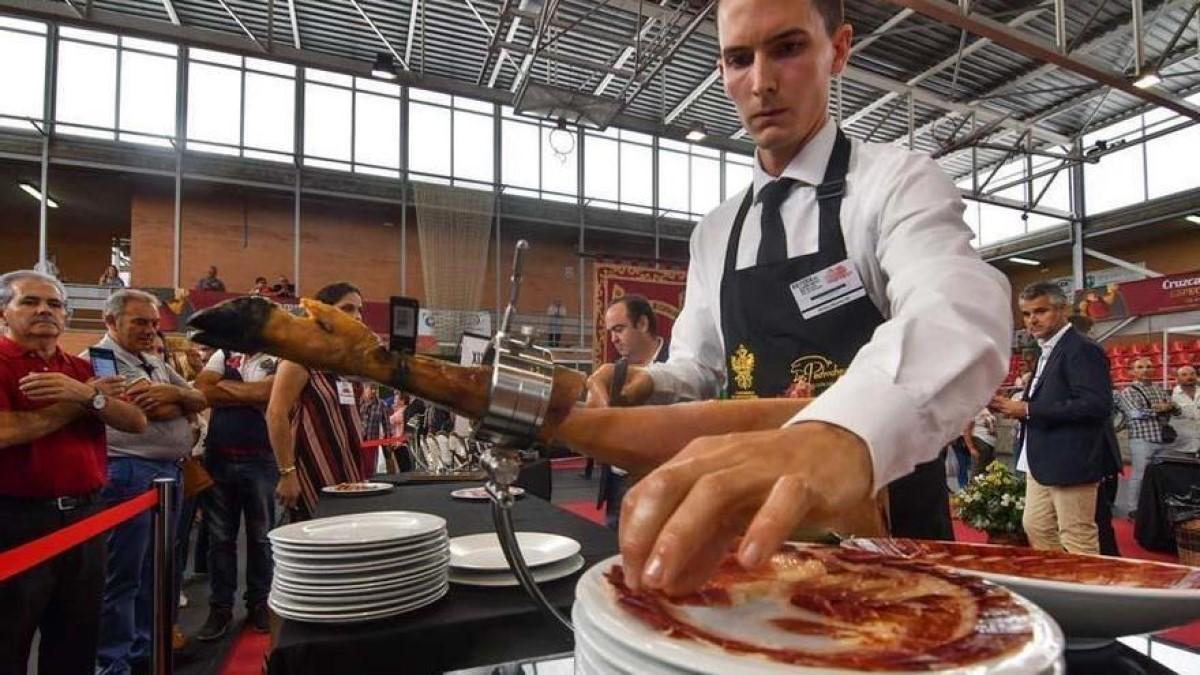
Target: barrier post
<point x="161" y="659"/>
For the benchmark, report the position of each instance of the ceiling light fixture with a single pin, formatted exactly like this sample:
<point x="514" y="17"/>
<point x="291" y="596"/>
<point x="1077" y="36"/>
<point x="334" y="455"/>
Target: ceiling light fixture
<point x="37" y="194"/>
<point x="385" y="66"/>
<point x="696" y="133"/>
<point x="1195" y="220"/>
<point x="1024" y="261"/>
<point x="1151" y="79"/>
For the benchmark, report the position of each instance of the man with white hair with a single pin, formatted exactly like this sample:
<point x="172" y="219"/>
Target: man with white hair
<point x="1148" y="408"/>
<point x="134" y="462"/>
<point x="52" y="466"/>
<point x="1188" y="399"/>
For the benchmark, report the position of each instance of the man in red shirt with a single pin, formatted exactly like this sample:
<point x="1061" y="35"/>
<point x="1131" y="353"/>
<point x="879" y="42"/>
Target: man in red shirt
<point x="52" y="466"/>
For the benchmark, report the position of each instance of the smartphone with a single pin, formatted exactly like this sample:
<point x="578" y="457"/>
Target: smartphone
<point x="104" y="362"/>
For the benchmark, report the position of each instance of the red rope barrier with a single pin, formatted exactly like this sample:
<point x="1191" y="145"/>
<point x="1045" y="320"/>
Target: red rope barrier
<point x="394" y="440"/>
<point x="34" y="553"/>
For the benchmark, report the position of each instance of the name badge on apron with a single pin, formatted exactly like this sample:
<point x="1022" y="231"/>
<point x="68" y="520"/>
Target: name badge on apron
<point x="828" y="289"/>
<point x="345" y="392"/>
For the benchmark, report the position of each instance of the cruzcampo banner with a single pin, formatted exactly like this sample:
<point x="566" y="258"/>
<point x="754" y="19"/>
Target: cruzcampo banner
<point x="663" y="287"/>
<point x="1160" y="295"/>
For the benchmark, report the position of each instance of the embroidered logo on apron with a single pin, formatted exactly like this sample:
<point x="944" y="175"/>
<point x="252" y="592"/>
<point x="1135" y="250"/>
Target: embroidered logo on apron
<point x="742" y="365"/>
<point x="817" y="370"/>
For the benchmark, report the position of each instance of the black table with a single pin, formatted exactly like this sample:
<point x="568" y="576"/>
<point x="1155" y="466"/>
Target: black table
<point x="536" y="478"/>
<point x="1153" y="528"/>
<point x="470" y="626"/>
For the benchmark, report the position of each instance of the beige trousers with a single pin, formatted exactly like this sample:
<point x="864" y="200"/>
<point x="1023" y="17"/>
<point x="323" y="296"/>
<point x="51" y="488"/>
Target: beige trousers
<point x="1060" y="518"/>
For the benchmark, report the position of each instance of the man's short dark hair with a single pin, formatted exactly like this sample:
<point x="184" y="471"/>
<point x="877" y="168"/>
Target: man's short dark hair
<point x="832" y="11"/>
<point x="637" y="306"/>
<point x="1046" y="289"/>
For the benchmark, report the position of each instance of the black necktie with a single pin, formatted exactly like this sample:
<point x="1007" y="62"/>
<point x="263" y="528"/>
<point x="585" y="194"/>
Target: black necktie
<point x="773" y="247"/>
<point x="146" y="366"/>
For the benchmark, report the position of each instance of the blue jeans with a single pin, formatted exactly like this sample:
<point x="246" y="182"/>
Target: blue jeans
<point x="241" y="486"/>
<point x="1141" y="452"/>
<point x="128" y="613"/>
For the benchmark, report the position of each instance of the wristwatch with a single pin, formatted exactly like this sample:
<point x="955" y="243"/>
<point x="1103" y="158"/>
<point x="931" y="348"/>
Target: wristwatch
<point x="99" y="400"/>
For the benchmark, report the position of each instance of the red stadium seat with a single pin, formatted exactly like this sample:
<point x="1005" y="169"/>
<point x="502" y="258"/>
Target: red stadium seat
<point x="1118" y="350"/>
<point x="1177" y="346"/>
<point x="1139" y="349"/>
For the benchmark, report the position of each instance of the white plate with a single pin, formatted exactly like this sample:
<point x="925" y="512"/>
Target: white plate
<point x="360" y="615"/>
<point x="381" y="565"/>
<point x="482" y="552"/>
<point x="1043" y="653"/>
<point x="322" y="597"/>
<point x="541" y="575"/>
<point x="333" y="555"/>
<point x="293" y="587"/>
<point x="360" y="549"/>
<point x="481" y="493"/>
<point x="1094" y="611"/>
<point x="599" y="649"/>
<point x="303" y="606"/>
<point x="368" y="489"/>
<point x="360" y="579"/>
<point x="360" y="528"/>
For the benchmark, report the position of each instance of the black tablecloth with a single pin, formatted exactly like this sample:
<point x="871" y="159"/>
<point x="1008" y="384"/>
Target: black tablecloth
<point x="1153" y="528"/>
<point x="470" y="626"/>
<point x="536" y="478"/>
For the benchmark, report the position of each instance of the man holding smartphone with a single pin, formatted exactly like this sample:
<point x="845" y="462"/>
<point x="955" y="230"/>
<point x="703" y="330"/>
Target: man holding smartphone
<point x="134" y="462"/>
<point x="52" y="466"/>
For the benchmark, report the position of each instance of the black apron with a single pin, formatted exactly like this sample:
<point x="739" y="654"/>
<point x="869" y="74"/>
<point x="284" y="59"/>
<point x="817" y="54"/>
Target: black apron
<point x="769" y="344"/>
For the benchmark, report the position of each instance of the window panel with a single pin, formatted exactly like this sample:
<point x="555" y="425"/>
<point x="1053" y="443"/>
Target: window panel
<point x="463" y="103"/>
<point x="706" y="185"/>
<point x="473" y="147"/>
<point x="601" y="168"/>
<point x="738" y="177"/>
<point x="1171" y="161"/>
<point x="429" y="139"/>
<point x="998" y="223"/>
<point x="147" y="94"/>
<point x="154" y="46"/>
<point x="210" y="56"/>
<point x="672" y="181"/>
<point x="327" y="77"/>
<point x="274" y="67"/>
<point x="520" y="143"/>
<point x="270" y="121"/>
<point x="87" y="84"/>
<point x="22" y="24"/>
<point x="559" y="172"/>
<point x="23" y="87"/>
<point x="1115" y="181"/>
<point x="327" y="122"/>
<point x="87" y="35"/>
<point x="377" y="87"/>
<point x="429" y="96"/>
<point x="637" y="181"/>
<point x="377" y="131"/>
<point x="214" y="103"/>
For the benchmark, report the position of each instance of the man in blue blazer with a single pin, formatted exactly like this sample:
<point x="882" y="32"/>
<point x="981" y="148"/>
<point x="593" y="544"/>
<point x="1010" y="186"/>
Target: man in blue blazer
<point x="1065" y="414"/>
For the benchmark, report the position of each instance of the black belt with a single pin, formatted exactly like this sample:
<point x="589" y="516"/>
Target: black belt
<point x="58" y="503"/>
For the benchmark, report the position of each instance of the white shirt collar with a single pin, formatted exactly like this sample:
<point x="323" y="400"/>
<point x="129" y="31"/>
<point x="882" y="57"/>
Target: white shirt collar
<point x="808" y="166"/>
<point x="1048" y="345"/>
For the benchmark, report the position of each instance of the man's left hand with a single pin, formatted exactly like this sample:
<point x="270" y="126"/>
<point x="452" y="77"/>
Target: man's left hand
<point x="679" y="522"/>
<point x="1017" y="410"/>
<point x="55" y="388"/>
<point x="156" y="395"/>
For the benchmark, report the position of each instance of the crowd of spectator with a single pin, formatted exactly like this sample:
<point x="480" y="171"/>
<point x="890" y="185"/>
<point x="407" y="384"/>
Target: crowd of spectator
<point x="251" y="418"/>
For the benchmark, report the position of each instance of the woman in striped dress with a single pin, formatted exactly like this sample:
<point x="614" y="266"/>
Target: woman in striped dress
<point x="314" y="423"/>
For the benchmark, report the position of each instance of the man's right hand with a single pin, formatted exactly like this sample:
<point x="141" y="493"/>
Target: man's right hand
<point x="287" y="491"/>
<point x="637" y="390"/>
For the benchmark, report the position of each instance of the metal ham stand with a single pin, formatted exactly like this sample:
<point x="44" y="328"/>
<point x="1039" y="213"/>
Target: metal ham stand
<point x="522" y="380"/>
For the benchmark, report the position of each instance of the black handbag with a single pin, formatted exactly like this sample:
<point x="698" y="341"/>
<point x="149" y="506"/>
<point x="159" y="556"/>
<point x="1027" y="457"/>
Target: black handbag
<point x="1165" y="430"/>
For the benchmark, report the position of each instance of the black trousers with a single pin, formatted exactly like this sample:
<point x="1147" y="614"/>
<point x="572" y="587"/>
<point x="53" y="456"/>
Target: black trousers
<point x="1105" y="498"/>
<point x="61" y="597"/>
<point x="919" y="503"/>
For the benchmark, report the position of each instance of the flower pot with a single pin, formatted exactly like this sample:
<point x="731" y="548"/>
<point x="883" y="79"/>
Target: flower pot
<point x="1008" y="538"/>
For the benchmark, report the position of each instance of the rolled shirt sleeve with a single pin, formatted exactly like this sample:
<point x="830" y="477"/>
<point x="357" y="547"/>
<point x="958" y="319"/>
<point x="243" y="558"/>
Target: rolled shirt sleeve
<point x="944" y="349"/>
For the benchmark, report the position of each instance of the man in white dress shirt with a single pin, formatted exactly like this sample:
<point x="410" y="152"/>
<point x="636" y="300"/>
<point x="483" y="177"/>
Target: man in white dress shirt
<point x="1187" y="397"/>
<point x="847" y="265"/>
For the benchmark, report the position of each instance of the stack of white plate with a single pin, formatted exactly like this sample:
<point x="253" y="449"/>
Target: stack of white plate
<point x="609" y="640"/>
<point x="478" y="560"/>
<point x="359" y="567"/>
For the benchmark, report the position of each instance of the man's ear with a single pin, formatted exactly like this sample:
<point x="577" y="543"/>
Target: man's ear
<point x="643" y="324"/>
